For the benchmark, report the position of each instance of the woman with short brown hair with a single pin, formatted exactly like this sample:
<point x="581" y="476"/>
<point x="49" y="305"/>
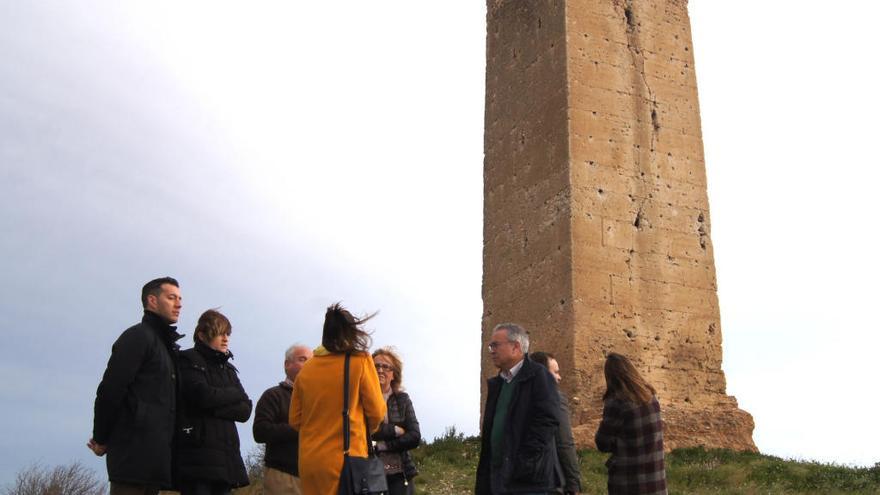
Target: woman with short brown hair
<point x="208" y="457"/>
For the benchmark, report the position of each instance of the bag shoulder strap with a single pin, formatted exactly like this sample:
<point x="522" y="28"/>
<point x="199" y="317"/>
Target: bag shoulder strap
<point x="346" y="432"/>
<point x="346" y="426"/>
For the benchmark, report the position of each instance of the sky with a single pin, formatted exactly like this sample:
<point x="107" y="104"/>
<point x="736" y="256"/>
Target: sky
<point x="276" y="157"/>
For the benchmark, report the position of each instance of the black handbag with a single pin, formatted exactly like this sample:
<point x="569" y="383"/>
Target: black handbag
<point x="360" y="475"/>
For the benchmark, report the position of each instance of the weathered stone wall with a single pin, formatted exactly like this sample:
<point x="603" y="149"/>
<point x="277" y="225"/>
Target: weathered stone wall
<point x="597" y="232"/>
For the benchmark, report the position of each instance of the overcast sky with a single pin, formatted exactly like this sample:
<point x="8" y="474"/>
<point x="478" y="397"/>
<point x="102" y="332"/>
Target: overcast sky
<point x="276" y="157"/>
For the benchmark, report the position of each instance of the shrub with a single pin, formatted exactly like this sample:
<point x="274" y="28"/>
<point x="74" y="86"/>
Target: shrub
<point x="72" y="479"/>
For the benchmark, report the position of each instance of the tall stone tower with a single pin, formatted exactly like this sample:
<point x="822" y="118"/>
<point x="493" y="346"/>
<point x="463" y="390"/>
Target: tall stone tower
<point x="597" y="231"/>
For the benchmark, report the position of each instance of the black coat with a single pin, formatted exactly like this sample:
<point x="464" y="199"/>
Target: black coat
<point x="529" y="462"/>
<point x="272" y="428"/>
<point x="213" y="400"/>
<point x="402" y="414"/>
<point x="135" y="405"/>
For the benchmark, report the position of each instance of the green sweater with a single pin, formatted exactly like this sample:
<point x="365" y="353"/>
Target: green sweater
<point x="500" y="418"/>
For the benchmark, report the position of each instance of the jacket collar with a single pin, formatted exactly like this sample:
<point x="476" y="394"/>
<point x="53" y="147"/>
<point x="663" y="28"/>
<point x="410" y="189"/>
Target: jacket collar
<point x="168" y="333"/>
<point x="526" y="372"/>
<point x="211" y="354"/>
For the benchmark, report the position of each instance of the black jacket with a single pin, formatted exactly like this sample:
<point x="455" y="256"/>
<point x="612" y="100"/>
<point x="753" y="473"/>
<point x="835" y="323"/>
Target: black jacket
<point x="135" y="404"/>
<point x="402" y="414"/>
<point x="529" y="463"/>
<point x="272" y="428"/>
<point x="213" y="400"/>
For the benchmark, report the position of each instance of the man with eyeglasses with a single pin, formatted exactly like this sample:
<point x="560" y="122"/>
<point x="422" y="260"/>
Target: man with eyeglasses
<point x="518" y="452"/>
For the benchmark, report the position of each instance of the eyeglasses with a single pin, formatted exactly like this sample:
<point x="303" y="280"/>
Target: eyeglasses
<point x="384" y="367"/>
<point x="494" y="345"/>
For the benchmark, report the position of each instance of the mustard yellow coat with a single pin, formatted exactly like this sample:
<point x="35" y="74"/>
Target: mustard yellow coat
<point x="316" y="412"/>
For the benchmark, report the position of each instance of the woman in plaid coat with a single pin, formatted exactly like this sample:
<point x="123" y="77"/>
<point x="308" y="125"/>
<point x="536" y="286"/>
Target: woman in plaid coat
<point x="632" y="431"/>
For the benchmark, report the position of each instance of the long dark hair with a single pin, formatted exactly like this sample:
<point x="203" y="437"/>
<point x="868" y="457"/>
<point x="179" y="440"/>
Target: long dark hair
<point x="624" y="382"/>
<point x="343" y="332"/>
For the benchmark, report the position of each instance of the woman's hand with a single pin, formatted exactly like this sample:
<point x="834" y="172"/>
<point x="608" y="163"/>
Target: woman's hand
<point x="398" y="431"/>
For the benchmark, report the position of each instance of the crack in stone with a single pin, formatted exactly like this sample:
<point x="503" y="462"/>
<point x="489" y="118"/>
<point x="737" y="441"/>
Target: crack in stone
<point x="632" y="34"/>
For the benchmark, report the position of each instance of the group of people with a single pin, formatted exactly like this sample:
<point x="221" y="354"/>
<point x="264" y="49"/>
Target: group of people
<point x="527" y="443"/>
<point x="165" y="417"/>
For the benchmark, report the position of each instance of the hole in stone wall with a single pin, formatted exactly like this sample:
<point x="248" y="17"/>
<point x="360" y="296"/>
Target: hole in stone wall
<point x="655" y="121"/>
<point x="711" y="328"/>
<point x="562" y="302"/>
<point x="601" y="191"/>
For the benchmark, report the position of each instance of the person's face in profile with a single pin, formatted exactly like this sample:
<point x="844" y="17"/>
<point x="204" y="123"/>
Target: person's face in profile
<point x="553" y="366"/>
<point x="220" y="343"/>
<point x="503" y="352"/>
<point x="167" y="304"/>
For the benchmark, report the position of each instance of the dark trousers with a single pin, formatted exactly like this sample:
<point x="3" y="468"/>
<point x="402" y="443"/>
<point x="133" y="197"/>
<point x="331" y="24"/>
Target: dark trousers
<point x="398" y="485"/>
<point x="204" y="488"/>
<point x="128" y="489"/>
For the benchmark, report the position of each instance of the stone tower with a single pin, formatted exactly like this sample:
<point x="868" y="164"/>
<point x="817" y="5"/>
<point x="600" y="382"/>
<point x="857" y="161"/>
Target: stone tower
<point x="597" y="231"/>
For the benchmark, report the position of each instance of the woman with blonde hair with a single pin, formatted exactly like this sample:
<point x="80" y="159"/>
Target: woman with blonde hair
<point x="632" y="431"/>
<point x="399" y="432"/>
<point x="317" y="401"/>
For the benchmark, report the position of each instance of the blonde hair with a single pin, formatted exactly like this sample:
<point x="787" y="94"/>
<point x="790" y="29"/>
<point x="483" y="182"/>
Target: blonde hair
<point x="397" y="364"/>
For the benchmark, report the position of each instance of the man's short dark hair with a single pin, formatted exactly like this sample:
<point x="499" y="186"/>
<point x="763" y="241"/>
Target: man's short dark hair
<point x="154" y="288"/>
<point x="542" y="358"/>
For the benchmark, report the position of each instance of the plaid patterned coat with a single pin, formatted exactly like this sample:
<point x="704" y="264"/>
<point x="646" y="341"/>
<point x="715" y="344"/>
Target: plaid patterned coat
<point x="633" y="434"/>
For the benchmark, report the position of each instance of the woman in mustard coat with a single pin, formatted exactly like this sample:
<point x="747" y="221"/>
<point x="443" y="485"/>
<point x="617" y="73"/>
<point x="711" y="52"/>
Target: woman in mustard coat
<point x="316" y="403"/>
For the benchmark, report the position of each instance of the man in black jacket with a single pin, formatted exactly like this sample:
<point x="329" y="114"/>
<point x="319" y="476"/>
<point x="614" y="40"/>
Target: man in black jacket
<point x="136" y="401"/>
<point x="518" y="452"/>
<point x="271" y="427"/>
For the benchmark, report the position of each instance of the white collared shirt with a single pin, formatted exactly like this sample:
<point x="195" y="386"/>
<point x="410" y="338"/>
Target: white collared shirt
<point x="508" y="376"/>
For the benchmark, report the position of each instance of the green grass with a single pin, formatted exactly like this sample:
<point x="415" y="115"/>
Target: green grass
<point x="448" y="466"/>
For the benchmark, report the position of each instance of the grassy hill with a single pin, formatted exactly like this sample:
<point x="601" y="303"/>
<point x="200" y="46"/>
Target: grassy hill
<point x="448" y="466"/>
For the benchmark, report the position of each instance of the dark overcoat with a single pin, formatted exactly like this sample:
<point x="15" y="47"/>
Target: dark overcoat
<point x="135" y="404"/>
<point x="213" y="400"/>
<point x="529" y="461"/>
<point x="272" y="428"/>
